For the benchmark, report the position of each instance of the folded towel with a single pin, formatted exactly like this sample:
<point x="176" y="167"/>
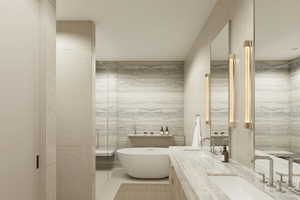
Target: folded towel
<point x="197" y="133"/>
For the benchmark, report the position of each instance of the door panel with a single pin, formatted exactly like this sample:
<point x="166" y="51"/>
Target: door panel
<point x="19" y="99"/>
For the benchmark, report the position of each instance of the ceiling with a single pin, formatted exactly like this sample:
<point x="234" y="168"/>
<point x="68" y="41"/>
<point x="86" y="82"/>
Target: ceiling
<point x="140" y="29"/>
<point x="277" y="29"/>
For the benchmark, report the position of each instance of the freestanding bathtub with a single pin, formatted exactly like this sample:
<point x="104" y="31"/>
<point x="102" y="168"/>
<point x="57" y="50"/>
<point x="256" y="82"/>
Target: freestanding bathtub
<point x="147" y="162"/>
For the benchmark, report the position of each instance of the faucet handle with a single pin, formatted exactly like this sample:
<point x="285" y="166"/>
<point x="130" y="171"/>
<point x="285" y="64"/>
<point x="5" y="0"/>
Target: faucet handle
<point x="281" y="175"/>
<point x="263" y="177"/>
<point x="279" y="186"/>
<point x="298" y="188"/>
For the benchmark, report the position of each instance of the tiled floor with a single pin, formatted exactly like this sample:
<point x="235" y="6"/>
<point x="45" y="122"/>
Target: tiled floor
<point x="109" y="181"/>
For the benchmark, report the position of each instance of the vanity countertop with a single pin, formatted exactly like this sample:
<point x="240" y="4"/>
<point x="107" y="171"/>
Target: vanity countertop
<point x="149" y="135"/>
<point x="193" y="167"/>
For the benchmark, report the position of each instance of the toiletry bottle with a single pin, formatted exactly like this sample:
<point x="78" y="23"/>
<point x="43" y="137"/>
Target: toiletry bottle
<point x="161" y="131"/>
<point x="225" y="154"/>
<point x="167" y="130"/>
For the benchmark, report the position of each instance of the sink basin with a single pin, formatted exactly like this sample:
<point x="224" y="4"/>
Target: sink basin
<point x="237" y="188"/>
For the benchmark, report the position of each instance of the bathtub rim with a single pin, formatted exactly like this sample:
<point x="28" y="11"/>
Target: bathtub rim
<point x="151" y="151"/>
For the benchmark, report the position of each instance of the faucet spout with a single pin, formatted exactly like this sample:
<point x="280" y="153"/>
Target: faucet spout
<point x="203" y="139"/>
<point x="271" y="167"/>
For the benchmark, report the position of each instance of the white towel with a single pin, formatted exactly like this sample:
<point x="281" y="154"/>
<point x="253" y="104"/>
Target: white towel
<point x="197" y="133"/>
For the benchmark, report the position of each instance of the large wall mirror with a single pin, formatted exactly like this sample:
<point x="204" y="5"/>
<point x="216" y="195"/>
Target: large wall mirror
<point x="219" y="125"/>
<point x="277" y="87"/>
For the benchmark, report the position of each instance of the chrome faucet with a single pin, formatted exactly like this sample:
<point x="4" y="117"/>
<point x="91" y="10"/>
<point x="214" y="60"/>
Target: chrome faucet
<point x="290" y="177"/>
<point x="271" y="167"/>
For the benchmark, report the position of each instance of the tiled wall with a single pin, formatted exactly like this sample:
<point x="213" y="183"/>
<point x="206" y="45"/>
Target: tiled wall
<point x="145" y="95"/>
<point x="219" y="96"/>
<point x="277" y="109"/>
<point x="272" y="105"/>
<point x="295" y="105"/>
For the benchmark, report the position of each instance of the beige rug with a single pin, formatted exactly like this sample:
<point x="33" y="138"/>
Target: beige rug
<point x="131" y="191"/>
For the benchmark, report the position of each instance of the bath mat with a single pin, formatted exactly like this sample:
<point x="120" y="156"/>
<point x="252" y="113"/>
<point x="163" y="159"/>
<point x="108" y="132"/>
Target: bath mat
<point x="131" y="191"/>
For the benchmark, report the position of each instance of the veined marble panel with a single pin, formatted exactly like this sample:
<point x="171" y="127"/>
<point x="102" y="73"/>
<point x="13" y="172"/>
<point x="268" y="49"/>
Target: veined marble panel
<point x="145" y="95"/>
<point x="272" y="105"/>
<point x="295" y="105"/>
<point x="219" y="96"/>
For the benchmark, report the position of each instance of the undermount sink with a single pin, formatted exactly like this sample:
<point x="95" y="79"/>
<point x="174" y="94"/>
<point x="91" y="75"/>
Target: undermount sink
<point x="237" y="188"/>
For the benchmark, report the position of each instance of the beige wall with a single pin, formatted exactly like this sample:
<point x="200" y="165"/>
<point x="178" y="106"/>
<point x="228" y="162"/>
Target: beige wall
<point x="27" y="73"/>
<point x="19" y="94"/>
<point x="47" y="100"/>
<point x="75" y="110"/>
<point x="240" y="12"/>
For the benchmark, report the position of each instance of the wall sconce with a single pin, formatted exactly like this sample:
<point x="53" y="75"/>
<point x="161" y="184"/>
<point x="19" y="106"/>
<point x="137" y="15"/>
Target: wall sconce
<point x="207" y="99"/>
<point x="248" y="47"/>
<point x="232" y="63"/>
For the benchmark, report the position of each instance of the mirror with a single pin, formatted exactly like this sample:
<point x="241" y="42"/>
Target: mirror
<point x="219" y="126"/>
<point x="277" y="82"/>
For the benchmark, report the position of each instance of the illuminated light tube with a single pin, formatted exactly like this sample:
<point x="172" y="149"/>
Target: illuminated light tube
<point x="248" y="47"/>
<point x="232" y="63"/>
<point x="207" y="99"/>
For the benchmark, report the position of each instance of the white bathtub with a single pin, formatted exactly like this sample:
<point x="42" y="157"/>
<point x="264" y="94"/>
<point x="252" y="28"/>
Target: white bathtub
<point x="145" y="162"/>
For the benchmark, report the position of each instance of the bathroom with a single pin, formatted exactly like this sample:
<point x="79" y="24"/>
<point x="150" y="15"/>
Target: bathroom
<point x="158" y="100"/>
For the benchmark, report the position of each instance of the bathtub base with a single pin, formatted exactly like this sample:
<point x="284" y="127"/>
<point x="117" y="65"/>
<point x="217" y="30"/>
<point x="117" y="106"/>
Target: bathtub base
<point x="145" y="163"/>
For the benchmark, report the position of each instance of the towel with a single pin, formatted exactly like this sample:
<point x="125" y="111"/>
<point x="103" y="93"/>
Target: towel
<point x="197" y="133"/>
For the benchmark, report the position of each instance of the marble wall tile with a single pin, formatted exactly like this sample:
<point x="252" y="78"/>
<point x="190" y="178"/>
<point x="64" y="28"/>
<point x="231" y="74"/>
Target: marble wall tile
<point x="145" y="95"/>
<point x="219" y="96"/>
<point x="277" y="105"/>
<point x="272" y="108"/>
<point x="295" y="105"/>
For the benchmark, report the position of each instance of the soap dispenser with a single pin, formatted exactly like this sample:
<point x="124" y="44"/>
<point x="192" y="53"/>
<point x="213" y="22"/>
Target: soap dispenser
<point x="225" y="154"/>
<point x="167" y="130"/>
<point x="161" y="131"/>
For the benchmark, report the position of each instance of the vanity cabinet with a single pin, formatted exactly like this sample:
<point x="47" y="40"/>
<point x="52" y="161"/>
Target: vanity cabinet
<point x="176" y="187"/>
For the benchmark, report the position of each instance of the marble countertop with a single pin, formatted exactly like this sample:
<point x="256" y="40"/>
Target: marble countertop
<point x="149" y="135"/>
<point x="274" y="152"/>
<point x="194" y="165"/>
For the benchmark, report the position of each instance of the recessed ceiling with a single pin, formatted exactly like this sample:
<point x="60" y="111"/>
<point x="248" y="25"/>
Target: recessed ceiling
<point x="277" y="29"/>
<point x="140" y="29"/>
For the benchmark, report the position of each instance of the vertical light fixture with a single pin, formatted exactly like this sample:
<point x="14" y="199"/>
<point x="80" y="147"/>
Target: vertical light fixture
<point x="232" y="63"/>
<point x="248" y="47"/>
<point x="207" y="99"/>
